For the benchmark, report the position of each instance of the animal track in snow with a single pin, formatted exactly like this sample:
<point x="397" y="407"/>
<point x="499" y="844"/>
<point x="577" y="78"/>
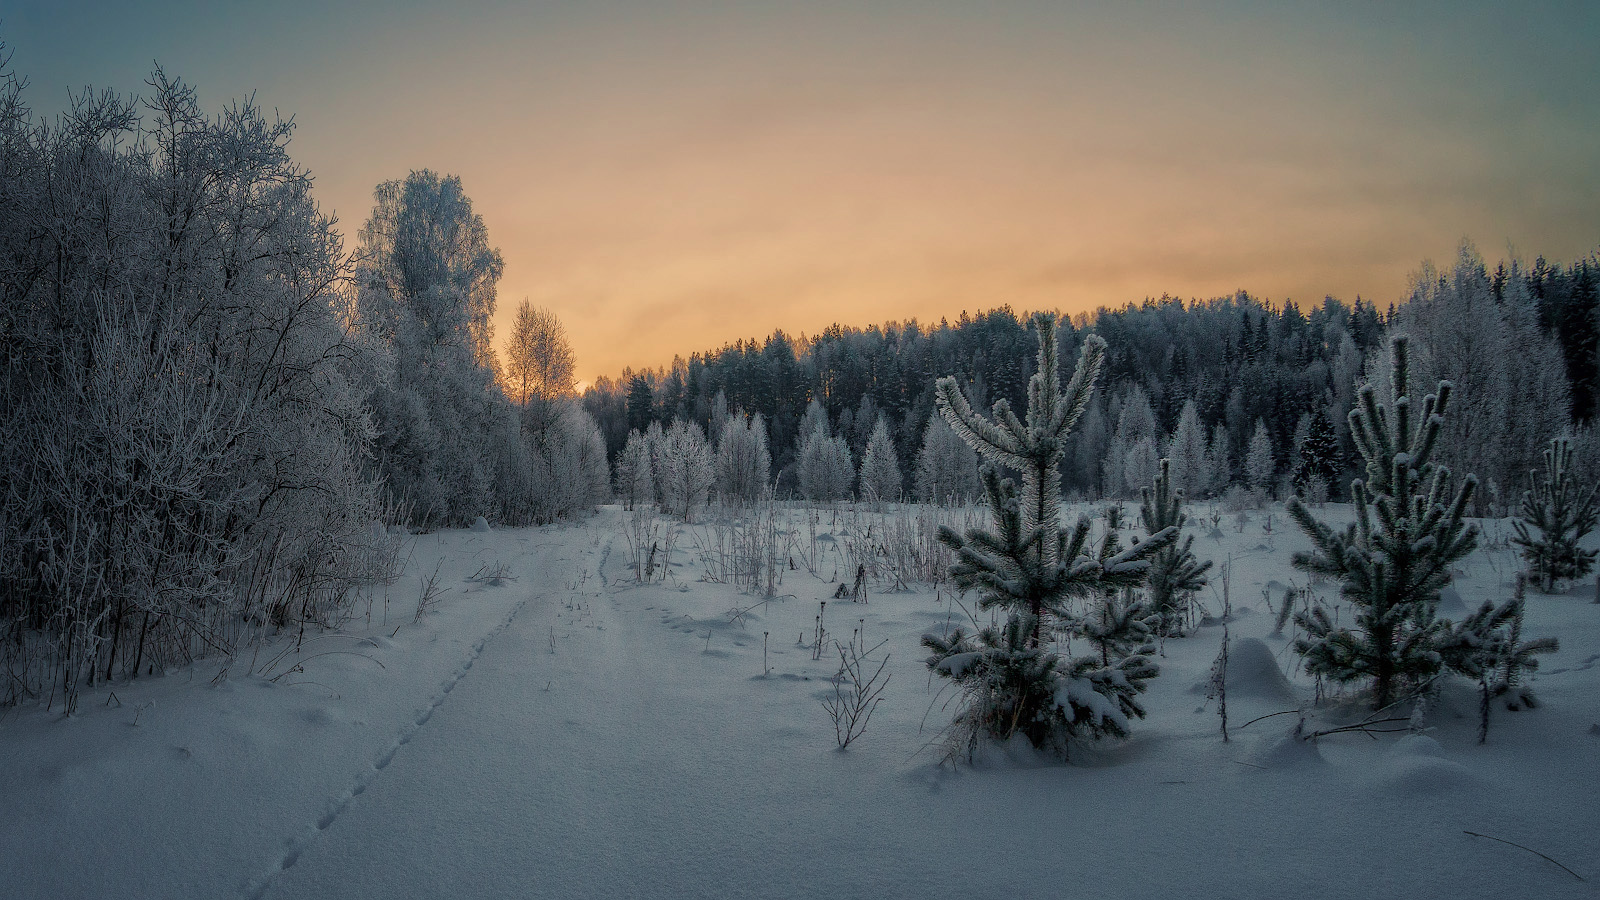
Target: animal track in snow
<point x="258" y="887"/>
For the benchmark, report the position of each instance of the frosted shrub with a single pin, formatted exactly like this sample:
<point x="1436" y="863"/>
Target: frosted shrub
<point x="181" y="430"/>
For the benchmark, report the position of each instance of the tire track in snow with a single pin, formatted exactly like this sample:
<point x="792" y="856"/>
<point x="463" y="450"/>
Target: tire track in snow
<point x="258" y="887"/>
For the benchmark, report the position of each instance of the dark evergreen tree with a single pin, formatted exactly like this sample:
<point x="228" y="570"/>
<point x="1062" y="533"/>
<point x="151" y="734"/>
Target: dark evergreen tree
<point x="1319" y="456"/>
<point x="1395" y="558"/>
<point x="1563" y="513"/>
<point x="641" y="403"/>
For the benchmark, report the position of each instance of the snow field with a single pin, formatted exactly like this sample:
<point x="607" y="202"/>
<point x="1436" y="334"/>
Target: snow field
<point x="571" y="734"/>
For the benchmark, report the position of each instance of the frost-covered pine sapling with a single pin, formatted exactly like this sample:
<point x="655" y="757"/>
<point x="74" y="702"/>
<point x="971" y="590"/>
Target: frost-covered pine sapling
<point x="1488" y="648"/>
<point x="1564" y="513"/>
<point x="1031" y="567"/>
<point x="1175" y="572"/>
<point x="1394" y="559"/>
<point x="1124" y="624"/>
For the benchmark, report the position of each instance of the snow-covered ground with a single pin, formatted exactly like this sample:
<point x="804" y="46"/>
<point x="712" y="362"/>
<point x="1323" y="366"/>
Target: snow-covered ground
<point x="566" y="733"/>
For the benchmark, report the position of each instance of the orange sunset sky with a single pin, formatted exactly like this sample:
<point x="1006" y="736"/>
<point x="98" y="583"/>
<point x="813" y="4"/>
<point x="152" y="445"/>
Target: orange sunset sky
<point x="671" y="177"/>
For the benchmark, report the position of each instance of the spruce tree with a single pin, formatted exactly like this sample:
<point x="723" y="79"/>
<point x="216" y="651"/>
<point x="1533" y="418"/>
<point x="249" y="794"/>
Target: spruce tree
<point x="1394" y="559"/>
<point x="1564" y="513"/>
<point x="1175" y="572"/>
<point x="880" y="468"/>
<point x="947" y="469"/>
<point x="1032" y="568"/>
<point x="1258" y="463"/>
<point x="1319" y="455"/>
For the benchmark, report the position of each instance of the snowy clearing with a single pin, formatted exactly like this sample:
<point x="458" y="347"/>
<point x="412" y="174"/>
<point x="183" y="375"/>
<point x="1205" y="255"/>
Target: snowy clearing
<point x="564" y="732"/>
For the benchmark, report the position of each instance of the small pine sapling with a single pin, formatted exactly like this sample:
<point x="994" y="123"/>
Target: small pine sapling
<point x="1487" y="647"/>
<point x="1564" y="513"/>
<point x="1031" y="567"/>
<point x="1395" y="558"/>
<point x="1175" y="572"/>
<point x="1217" y="683"/>
<point x="1120" y="627"/>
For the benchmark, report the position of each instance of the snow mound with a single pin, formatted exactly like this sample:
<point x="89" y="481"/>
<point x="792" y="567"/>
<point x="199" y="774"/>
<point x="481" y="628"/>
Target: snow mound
<point x="1416" y="765"/>
<point x="1252" y="672"/>
<point x="1416" y="745"/>
<point x="480" y="524"/>
<point x="1285" y="750"/>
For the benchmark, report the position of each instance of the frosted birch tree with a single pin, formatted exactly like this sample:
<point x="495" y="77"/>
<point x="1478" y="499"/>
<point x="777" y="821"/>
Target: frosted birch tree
<point x="744" y="465"/>
<point x="686" y="470"/>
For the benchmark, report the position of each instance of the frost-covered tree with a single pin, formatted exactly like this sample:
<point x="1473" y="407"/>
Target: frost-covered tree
<point x="1219" y="461"/>
<point x="634" y="482"/>
<point x="426" y="284"/>
<point x="539" y="361"/>
<point x="654" y="439"/>
<point x="570" y="465"/>
<point x="1128" y="467"/>
<point x="1140" y="462"/>
<point x="947" y="469"/>
<point x="1509" y="374"/>
<point x="826" y="472"/>
<point x="1030" y="567"/>
<point x="1084" y="462"/>
<point x="1175" y="573"/>
<point x="744" y="465"/>
<point x="1563" y="513"/>
<point x="880" y="468"/>
<point x="1186" y="452"/>
<point x="1259" y="467"/>
<point x="1394" y="559"/>
<point x="686" y="471"/>
<point x="814" y="421"/>
<point x="182" y="437"/>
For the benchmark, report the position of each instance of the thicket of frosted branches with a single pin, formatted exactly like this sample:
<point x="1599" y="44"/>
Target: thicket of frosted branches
<point x="202" y="420"/>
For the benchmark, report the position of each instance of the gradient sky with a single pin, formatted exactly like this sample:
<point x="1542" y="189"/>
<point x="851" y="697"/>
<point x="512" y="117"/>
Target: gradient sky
<point x="671" y="177"/>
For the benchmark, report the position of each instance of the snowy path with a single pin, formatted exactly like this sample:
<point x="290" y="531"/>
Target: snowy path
<point x="566" y="735"/>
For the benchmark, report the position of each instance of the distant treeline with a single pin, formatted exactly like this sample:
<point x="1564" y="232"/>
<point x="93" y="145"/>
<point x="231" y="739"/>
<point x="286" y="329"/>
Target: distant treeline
<point x="1519" y="341"/>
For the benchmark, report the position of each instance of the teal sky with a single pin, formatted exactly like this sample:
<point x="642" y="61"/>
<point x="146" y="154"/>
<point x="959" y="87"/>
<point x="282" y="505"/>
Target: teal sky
<point x="671" y="177"/>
